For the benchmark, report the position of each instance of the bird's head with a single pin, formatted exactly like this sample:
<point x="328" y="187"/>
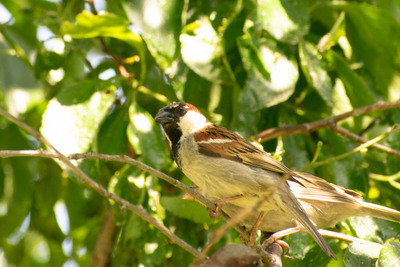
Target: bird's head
<point x="182" y="117"/>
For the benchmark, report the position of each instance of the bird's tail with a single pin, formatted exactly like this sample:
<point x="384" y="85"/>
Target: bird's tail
<point x="301" y="217"/>
<point x="382" y="212"/>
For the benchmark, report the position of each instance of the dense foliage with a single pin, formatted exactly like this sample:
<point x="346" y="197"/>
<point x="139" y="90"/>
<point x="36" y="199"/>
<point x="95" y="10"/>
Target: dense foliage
<point x="92" y="79"/>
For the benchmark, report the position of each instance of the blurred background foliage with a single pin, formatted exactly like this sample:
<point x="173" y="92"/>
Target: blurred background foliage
<point x="92" y="80"/>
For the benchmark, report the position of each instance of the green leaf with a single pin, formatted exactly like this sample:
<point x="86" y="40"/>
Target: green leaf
<point x="390" y="254"/>
<point x="187" y="209"/>
<point x="202" y="50"/>
<point x="364" y="23"/>
<point x="145" y="136"/>
<point x="160" y="23"/>
<point x="315" y="71"/>
<point x="19" y="174"/>
<point x="47" y="190"/>
<point x="285" y="20"/>
<point x="271" y="79"/>
<point x="12" y="69"/>
<point x="125" y="187"/>
<point x="77" y="93"/>
<point x="112" y="137"/>
<point x="295" y="146"/>
<point x="262" y="58"/>
<point x="47" y="61"/>
<point x="362" y="254"/>
<point x="388" y="229"/>
<point x="72" y="128"/>
<point x="197" y="90"/>
<point x="365" y="228"/>
<point x="105" y="24"/>
<point x="300" y="244"/>
<point x="356" y="87"/>
<point x="253" y="55"/>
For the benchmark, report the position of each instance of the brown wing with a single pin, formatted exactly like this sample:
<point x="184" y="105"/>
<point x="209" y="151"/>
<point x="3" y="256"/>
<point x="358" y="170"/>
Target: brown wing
<point x="216" y="141"/>
<point x="315" y="188"/>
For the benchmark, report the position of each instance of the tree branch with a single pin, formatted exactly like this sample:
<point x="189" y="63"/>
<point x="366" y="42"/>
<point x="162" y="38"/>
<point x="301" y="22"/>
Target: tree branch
<point x="125" y="159"/>
<point x="330" y="122"/>
<point x="359" y="139"/>
<point x="137" y="209"/>
<point x="105" y="241"/>
<point x="118" y="158"/>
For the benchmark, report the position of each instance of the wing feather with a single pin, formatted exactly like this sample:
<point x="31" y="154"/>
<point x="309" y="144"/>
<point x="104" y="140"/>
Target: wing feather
<point x="315" y="188"/>
<point x="216" y="141"/>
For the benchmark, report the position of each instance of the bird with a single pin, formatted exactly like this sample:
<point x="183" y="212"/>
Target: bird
<point x="224" y="165"/>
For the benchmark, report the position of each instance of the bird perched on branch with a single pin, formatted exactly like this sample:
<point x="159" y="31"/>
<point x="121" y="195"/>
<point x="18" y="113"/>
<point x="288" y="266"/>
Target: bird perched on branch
<point x="230" y="170"/>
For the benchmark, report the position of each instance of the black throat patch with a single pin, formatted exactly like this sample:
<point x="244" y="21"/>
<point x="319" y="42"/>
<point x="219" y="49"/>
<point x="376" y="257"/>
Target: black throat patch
<point x="174" y="134"/>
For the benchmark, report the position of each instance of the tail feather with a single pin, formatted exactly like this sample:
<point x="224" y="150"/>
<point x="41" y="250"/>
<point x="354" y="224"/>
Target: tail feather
<point x="382" y="212"/>
<point x="300" y="216"/>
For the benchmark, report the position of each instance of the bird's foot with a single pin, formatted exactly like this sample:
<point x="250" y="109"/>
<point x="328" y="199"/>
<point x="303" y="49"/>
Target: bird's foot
<point x="268" y="243"/>
<point x="215" y="213"/>
<point x="219" y="203"/>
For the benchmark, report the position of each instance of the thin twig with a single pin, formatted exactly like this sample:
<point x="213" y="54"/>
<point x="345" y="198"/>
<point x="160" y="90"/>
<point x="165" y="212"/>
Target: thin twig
<point x="137" y="209"/>
<point x="359" y="139"/>
<point x="117" y="61"/>
<point x="369" y="143"/>
<point x="118" y="158"/>
<point x="307" y="128"/>
<point x="391" y="179"/>
<point x="340" y="236"/>
<point x="92" y="6"/>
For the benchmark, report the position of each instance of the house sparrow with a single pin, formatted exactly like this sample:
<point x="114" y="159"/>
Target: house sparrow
<point x="224" y="165"/>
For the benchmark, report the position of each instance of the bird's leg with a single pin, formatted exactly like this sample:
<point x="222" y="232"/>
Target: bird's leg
<point x="276" y="237"/>
<point x="219" y="203"/>
<point x="254" y="229"/>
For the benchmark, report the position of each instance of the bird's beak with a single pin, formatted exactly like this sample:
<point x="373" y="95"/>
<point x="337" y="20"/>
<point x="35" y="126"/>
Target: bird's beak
<point x="164" y="117"/>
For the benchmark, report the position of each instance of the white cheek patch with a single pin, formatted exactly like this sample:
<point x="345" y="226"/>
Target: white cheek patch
<point x="215" y="141"/>
<point x="192" y="122"/>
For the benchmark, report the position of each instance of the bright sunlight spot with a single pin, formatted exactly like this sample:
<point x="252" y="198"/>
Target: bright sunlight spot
<point x="70" y="263"/>
<point x="55" y="76"/>
<point x="20" y="232"/>
<point x="152" y="14"/>
<point x="55" y="45"/>
<point x="5" y="15"/>
<point x="60" y="209"/>
<point x="139" y="181"/>
<point x="18" y="100"/>
<point x="107" y="74"/>
<point x="3" y="260"/>
<point x="41" y="251"/>
<point x="67" y="246"/>
<point x="142" y="123"/>
<point x="149" y="248"/>
<point x="44" y="33"/>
